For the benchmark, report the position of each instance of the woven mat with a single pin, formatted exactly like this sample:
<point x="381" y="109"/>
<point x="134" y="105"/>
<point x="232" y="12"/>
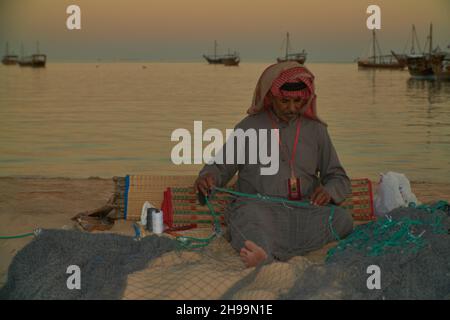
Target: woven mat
<point x="141" y="188"/>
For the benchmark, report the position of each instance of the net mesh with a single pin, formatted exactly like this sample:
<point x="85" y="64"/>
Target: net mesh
<point x="213" y="272"/>
<point x="189" y="274"/>
<point x="413" y="261"/>
<point x="411" y="246"/>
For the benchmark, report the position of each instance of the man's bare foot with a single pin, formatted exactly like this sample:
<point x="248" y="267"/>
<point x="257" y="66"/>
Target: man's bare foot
<point x="252" y="255"/>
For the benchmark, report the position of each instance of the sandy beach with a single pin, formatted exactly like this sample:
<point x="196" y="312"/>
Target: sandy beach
<point x="29" y="203"/>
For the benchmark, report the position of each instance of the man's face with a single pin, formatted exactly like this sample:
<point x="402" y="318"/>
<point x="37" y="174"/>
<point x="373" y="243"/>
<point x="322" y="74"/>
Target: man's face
<point x="287" y="108"/>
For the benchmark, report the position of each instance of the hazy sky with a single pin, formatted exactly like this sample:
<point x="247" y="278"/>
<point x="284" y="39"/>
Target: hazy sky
<point x="182" y="30"/>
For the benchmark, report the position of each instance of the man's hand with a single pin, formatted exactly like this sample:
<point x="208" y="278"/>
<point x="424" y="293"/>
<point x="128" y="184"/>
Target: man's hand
<point x="205" y="183"/>
<point x="320" y="197"/>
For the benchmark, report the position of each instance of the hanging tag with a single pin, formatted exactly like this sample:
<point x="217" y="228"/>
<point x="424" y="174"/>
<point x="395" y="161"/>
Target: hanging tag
<point x="294" y="189"/>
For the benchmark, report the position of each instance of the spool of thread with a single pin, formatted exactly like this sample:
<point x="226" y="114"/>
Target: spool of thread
<point x="149" y="218"/>
<point x="157" y="222"/>
<point x="144" y="213"/>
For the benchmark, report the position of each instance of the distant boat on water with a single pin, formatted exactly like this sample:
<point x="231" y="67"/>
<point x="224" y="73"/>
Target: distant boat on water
<point x="420" y="66"/>
<point x="36" y="60"/>
<point x="380" y="61"/>
<point x="9" y="59"/>
<point x="299" y="57"/>
<point x="230" y="59"/>
<point x="214" y="59"/>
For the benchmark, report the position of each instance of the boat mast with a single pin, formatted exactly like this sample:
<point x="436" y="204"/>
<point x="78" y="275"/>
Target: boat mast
<point x="431" y="38"/>
<point x="374" y="49"/>
<point x="7" y="48"/>
<point x="287" y="45"/>
<point x="413" y="49"/>
<point x="37" y="47"/>
<point x="215" y="48"/>
<point x="416" y="38"/>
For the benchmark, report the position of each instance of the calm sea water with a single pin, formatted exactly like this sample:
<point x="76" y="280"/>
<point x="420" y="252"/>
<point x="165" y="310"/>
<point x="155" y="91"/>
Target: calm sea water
<point x="80" y="120"/>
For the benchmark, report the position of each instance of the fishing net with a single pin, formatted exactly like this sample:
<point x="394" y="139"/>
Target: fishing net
<point x="411" y="246"/>
<point x="39" y="270"/>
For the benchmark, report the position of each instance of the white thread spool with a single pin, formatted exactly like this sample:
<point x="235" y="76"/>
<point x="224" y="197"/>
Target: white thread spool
<point x="145" y="207"/>
<point x="157" y="222"/>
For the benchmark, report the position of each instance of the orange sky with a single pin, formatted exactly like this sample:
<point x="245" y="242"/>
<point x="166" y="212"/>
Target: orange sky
<point x="183" y="30"/>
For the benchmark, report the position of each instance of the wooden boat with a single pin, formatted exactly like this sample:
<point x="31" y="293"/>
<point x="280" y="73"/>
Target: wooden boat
<point x="24" y="61"/>
<point x="380" y="61"/>
<point x="300" y="57"/>
<point x="36" y="60"/>
<point x="420" y="65"/>
<point x="213" y="59"/>
<point x="9" y="59"/>
<point x="231" y="59"/>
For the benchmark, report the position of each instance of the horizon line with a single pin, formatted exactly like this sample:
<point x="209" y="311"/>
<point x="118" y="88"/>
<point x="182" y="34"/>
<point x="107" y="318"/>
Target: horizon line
<point x="124" y="60"/>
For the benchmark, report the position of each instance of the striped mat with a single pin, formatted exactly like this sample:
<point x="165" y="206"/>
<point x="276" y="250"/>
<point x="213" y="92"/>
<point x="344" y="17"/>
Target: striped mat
<point x="176" y="196"/>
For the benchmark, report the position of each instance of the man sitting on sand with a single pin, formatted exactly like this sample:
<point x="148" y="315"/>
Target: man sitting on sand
<point x="309" y="170"/>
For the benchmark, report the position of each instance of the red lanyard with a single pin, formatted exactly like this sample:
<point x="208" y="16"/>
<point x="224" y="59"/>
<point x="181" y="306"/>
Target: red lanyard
<point x="294" y="148"/>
